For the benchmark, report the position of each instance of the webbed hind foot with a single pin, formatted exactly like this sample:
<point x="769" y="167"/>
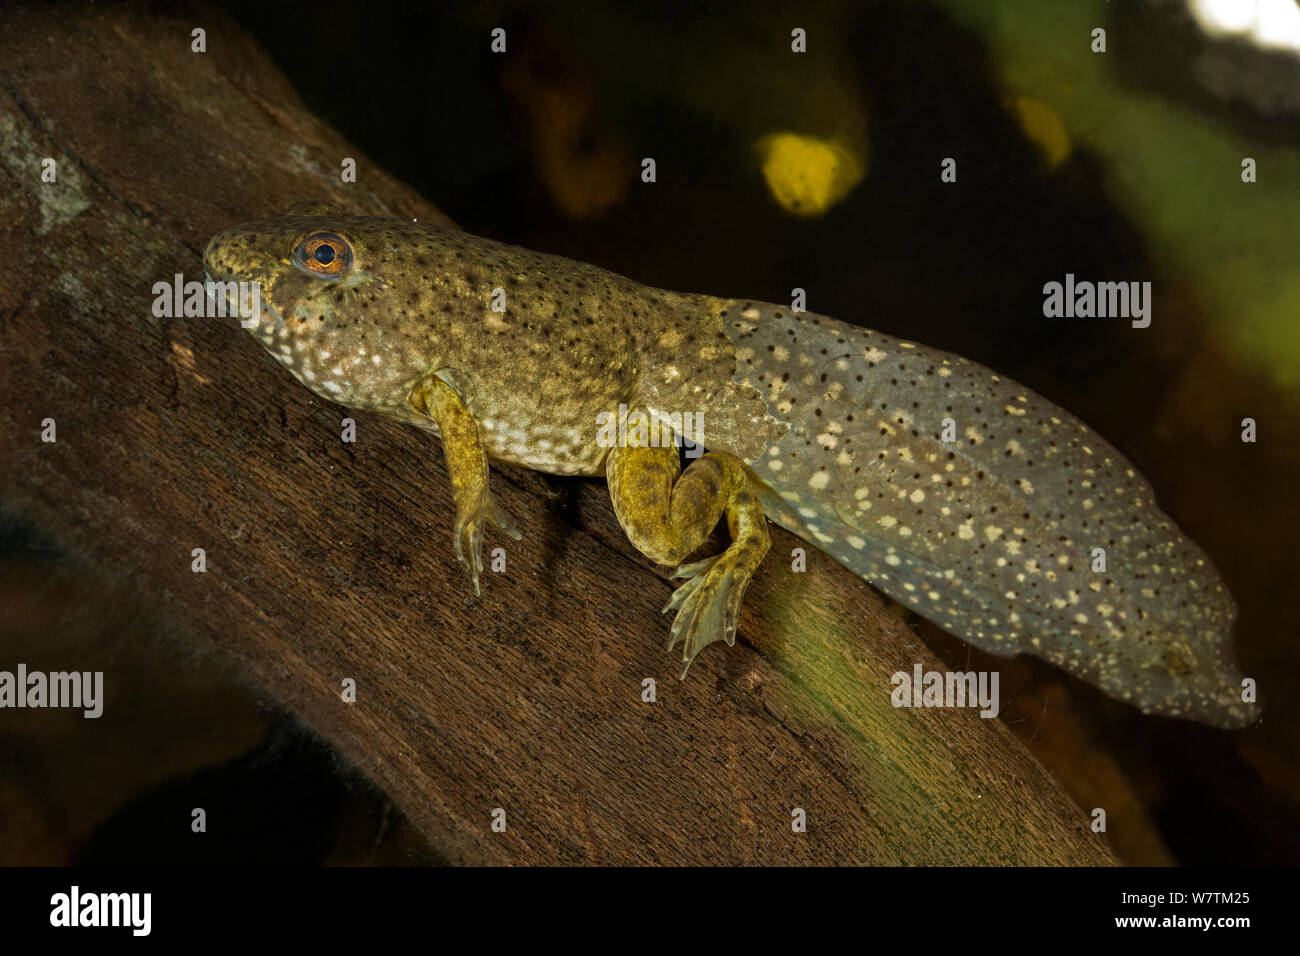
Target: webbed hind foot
<point x="708" y="604"/>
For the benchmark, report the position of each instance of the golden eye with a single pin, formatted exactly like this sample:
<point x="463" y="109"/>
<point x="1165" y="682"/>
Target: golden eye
<point x="324" y="254"/>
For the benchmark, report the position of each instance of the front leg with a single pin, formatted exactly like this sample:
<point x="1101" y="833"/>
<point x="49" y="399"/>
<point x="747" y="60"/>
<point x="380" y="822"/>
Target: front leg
<point x="468" y="468"/>
<point x="667" y="514"/>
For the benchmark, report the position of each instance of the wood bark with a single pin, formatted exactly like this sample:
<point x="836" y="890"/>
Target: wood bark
<point x="328" y="560"/>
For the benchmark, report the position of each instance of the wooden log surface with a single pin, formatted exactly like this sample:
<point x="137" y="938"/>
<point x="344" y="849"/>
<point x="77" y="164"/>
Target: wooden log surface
<point x="328" y="560"/>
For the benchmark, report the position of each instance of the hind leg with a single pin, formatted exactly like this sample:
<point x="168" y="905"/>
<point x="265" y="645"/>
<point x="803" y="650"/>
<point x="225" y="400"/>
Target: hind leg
<point x="667" y="514"/>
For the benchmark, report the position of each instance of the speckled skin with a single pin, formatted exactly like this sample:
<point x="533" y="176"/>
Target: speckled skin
<point x="575" y="340"/>
<point x="832" y="430"/>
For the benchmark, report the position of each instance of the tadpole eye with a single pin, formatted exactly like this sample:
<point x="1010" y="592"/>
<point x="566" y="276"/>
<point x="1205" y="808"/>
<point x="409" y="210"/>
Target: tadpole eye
<point x="324" y="254"/>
